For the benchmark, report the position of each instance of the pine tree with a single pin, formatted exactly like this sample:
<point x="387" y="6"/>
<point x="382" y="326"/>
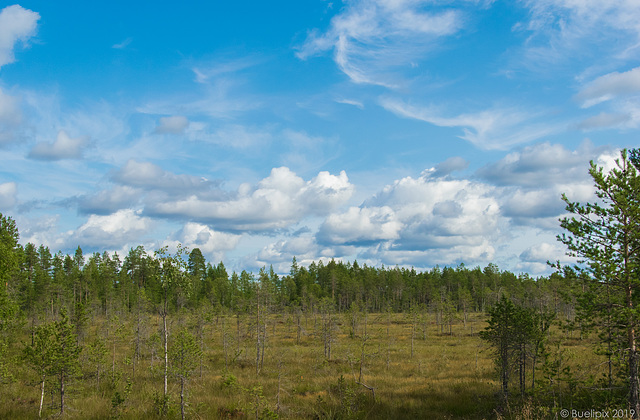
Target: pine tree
<point x="605" y="237"/>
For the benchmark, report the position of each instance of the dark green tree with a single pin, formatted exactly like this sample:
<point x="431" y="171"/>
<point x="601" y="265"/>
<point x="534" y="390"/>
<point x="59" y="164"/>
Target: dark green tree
<point x="605" y="237"/>
<point x="516" y="334"/>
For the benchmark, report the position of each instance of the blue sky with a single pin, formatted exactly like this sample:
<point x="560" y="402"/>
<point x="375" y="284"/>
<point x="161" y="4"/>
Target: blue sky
<point x="393" y="132"/>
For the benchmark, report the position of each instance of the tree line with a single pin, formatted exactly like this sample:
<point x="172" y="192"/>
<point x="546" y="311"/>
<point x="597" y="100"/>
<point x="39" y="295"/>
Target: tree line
<point x="34" y="279"/>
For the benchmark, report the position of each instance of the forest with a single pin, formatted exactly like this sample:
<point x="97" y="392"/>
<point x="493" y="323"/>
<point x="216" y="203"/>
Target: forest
<point x="167" y="334"/>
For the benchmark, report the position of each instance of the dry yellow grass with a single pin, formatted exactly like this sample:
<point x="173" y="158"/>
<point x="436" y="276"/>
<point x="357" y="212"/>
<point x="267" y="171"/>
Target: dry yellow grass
<point x="449" y="376"/>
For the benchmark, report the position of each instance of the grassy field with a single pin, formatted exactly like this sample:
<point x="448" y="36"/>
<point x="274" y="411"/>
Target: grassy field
<point x="447" y="376"/>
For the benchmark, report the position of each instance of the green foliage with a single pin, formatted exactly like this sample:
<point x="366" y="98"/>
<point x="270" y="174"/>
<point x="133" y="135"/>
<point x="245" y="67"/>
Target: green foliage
<point x="516" y="334"/>
<point x="119" y="399"/>
<point x="9" y="261"/>
<point x="605" y="237"/>
<point x="184" y="354"/>
<point x="346" y="401"/>
<point x="162" y="404"/>
<point x="229" y="381"/>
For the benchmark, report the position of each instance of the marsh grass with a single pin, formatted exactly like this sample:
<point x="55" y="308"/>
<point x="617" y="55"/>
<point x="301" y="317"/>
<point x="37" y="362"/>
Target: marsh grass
<point x="449" y="375"/>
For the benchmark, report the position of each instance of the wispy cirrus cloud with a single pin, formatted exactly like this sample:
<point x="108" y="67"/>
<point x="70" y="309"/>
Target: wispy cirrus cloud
<point x="372" y="39"/>
<point x="122" y="45"/>
<point x="562" y="30"/>
<point x="488" y="129"/>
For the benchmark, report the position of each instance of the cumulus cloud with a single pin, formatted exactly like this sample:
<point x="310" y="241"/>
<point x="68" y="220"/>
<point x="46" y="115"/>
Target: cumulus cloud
<point x="534" y="259"/>
<point x="108" y="201"/>
<point x="532" y="180"/>
<point x="452" y="164"/>
<point x="542" y="252"/>
<point x="281" y="199"/>
<point x="543" y="164"/>
<point x="17" y="24"/>
<point x="148" y="176"/>
<point x="481" y="251"/>
<point x="281" y="252"/>
<point x="64" y="147"/>
<point x="371" y="38"/>
<point x="8" y="192"/>
<point x="445" y="219"/>
<point x="360" y="226"/>
<point x="115" y="230"/>
<point x="172" y="125"/>
<point x="488" y="129"/>
<point x="213" y="244"/>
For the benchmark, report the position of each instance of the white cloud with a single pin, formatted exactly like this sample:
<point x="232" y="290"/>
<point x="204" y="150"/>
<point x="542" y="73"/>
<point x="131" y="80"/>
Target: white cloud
<point x="148" y="176"/>
<point x="609" y="86"/>
<point x="115" y="230"/>
<point x="360" y="225"/>
<point x="214" y="70"/>
<point x="280" y="253"/>
<point x="122" y="45"/>
<point x="213" y="244"/>
<point x="429" y="214"/>
<point x="8" y="192"/>
<point x="543" y="164"/>
<point x="16" y="24"/>
<point x="10" y="117"/>
<point x="357" y="104"/>
<point x="172" y="125"/>
<point x="543" y="252"/>
<point x="452" y="164"/>
<point x="563" y="30"/>
<point x="480" y="252"/>
<point x="64" y="147"/>
<point x="606" y="120"/>
<point x="370" y="38"/>
<point x="281" y="199"/>
<point x="108" y="201"/>
<point x="489" y="129"/>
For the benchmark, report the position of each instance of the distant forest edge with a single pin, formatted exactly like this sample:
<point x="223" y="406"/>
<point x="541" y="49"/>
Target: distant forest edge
<point x="36" y="278"/>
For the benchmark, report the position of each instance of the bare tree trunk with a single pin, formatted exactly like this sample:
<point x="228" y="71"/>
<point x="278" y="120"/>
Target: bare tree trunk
<point x="166" y="350"/>
<point x="257" y="335"/>
<point x="182" y="397"/>
<point x="62" y="393"/>
<point x="41" y="396"/>
<point x="634" y="398"/>
<point x="224" y="341"/>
